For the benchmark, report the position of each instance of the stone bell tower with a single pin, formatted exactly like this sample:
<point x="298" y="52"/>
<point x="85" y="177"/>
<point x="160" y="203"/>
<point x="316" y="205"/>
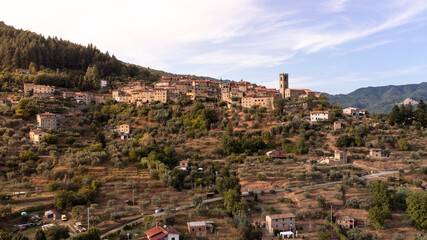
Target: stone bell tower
<point x="284" y="83"/>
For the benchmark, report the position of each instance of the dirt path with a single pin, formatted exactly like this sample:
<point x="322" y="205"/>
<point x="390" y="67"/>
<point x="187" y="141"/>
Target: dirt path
<point x="246" y="194"/>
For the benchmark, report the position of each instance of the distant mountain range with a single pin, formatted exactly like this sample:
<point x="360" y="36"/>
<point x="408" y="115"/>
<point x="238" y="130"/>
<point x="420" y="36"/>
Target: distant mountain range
<point x="380" y="99"/>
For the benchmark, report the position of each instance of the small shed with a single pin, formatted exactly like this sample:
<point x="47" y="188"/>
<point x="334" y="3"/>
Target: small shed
<point x="200" y="227"/>
<point x="54" y="213"/>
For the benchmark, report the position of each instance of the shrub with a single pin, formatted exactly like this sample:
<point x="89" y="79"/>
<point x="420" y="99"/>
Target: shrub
<point x="338" y="195"/>
<point x="403" y="144"/>
<point x="321" y="201"/>
<point x="353" y="202"/>
<point x="261" y="177"/>
<point x="269" y="209"/>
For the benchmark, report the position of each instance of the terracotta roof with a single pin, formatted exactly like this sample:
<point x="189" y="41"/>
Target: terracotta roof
<point x="171" y="230"/>
<point x="305" y="90"/>
<point x="158" y="232"/>
<point x="345" y="218"/>
<point x="37" y="131"/>
<point x="311" y="112"/>
<point x="158" y="236"/>
<point x="155" y="230"/>
<point x="47" y="114"/>
<point x="55" y="211"/>
<point x="285" y="215"/>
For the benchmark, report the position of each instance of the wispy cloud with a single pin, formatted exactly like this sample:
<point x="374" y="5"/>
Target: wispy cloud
<point x="336" y="5"/>
<point x="217" y="37"/>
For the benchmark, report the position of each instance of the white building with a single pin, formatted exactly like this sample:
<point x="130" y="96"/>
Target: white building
<point x="316" y="116"/>
<point x="103" y="83"/>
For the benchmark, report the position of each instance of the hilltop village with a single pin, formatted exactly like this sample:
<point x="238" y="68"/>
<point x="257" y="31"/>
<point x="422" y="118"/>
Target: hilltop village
<point x="172" y="88"/>
<point x="95" y="148"/>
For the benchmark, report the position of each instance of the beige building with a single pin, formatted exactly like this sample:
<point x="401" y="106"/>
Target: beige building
<point x="351" y="111"/>
<point x="345" y="222"/>
<point x="377" y="153"/>
<point x="338" y="125"/>
<point x="262" y="101"/>
<point x="299" y="93"/>
<point x="39" y="90"/>
<point x="281" y="222"/>
<point x="46" y="120"/>
<point x="160" y="95"/>
<point x="100" y="98"/>
<point x="341" y="156"/>
<point x="200" y="227"/>
<point x="124" y="128"/>
<point x="83" y="97"/>
<point x="36" y="136"/>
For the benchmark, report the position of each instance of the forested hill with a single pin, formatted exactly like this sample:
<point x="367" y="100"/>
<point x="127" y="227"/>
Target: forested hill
<point x="380" y="99"/>
<point x="80" y="66"/>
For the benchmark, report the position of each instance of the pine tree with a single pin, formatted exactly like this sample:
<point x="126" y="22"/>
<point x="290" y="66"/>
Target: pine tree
<point x="420" y="114"/>
<point x="393" y="117"/>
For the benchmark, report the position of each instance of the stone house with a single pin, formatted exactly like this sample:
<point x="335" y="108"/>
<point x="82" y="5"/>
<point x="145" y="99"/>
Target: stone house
<point x="281" y="222"/>
<point x="351" y="111"/>
<point x="340" y="156"/>
<point x="345" y="222"/>
<point x="47" y="120"/>
<point x="200" y="227"/>
<point x="377" y="153"/>
<point x="36" y="135"/>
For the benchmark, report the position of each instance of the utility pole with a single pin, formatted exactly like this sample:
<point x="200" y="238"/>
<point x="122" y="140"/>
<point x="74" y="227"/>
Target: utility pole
<point x="88" y="225"/>
<point x="331" y="214"/>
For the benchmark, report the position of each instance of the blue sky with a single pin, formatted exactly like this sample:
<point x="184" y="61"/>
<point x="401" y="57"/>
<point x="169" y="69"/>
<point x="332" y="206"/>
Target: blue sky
<point x="333" y="46"/>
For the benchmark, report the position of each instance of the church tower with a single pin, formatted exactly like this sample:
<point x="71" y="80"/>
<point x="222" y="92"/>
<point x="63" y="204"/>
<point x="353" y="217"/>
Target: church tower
<point x="284" y="83"/>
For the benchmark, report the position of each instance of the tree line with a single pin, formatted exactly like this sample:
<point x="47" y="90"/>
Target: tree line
<point x="64" y="64"/>
<point x="406" y="115"/>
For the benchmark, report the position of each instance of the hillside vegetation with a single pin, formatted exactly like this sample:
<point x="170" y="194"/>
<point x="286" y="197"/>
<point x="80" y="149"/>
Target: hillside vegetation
<point x="61" y="63"/>
<point x="380" y="99"/>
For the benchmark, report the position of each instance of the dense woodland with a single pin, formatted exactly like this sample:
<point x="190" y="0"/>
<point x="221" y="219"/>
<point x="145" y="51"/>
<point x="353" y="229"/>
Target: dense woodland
<point x="62" y="63"/>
